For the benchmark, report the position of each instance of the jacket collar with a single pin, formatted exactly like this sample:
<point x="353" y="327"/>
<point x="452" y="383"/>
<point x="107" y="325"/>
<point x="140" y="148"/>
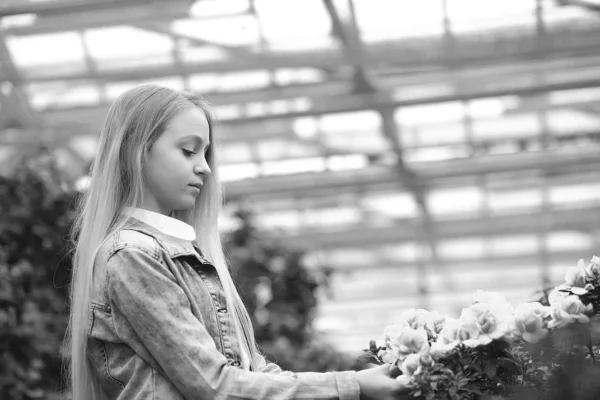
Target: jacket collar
<point x="173" y="245"/>
<point x="167" y="225"/>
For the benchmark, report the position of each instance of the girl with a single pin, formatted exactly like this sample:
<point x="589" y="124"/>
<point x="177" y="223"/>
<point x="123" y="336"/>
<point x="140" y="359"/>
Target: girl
<point x="154" y="311"/>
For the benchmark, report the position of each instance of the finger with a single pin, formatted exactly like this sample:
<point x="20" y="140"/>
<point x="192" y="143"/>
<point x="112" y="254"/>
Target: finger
<point x="371" y="365"/>
<point x="394" y="371"/>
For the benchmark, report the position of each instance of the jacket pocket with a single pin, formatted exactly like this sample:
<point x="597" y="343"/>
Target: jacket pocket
<point x="99" y="355"/>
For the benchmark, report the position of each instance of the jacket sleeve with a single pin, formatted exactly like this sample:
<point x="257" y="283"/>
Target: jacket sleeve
<point x="155" y="318"/>
<point x="269" y="367"/>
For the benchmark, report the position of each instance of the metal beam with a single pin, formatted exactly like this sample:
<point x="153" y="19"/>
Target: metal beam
<point x="431" y="174"/>
<point x="341" y="13"/>
<point x="475" y="52"/>
<point x="56" y="8"/>
<point x="15" y="102"/>
<point x="94" y="14"/>
<point x="165" y="28"/>
<point x="591" y="6"/>
<point x="354" y="103"/>
<point x="333" y="96"/>
<point x="404" y="231"/>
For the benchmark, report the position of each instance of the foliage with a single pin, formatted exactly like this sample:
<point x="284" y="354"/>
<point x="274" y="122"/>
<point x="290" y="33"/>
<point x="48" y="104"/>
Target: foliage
<point x="545" y="350"/>
<point x="37" y="206"/>
<point x="280" y="293"/>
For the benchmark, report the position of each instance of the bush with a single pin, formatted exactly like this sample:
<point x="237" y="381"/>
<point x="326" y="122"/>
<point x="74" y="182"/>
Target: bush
<point x="37" y="207"/>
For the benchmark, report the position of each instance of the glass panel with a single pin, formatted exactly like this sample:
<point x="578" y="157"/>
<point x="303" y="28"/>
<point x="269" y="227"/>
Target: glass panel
<point x="293" y="166"/>
<point x="470" y="15"/>
<point x="521" y="125"/>
<point x="383" y="19"/>
<point x="55" y="48"/>
<point x="462" y="248"/>
<point x="565" y="122"/>
<point x="575" y="194"/>
<point x="213" y="8"/>
<point x="514" y="200"/>
<point x="432" y="154"/>
<point x="236" y="172"/>
<point x="347" y="162"/>
<point x="234" y="153"/>
<point x="448" y="201"/>
<point x="518" y="244"/>
<point x="284" y="23"/>
<point x="398" y="205"/>
<point x="277" y="149"/>
<point x="570" y="240"/>
<point x="240" y="30"/>
<point x="120" y="46"/>
<point x="430" y="113"/>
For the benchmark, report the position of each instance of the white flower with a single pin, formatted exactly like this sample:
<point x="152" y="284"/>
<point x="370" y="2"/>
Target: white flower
<point x="402" y="341"/>
<point x="575" y="276"/>
<point x="529" y="321"/>
<point x="592" y="270"/>
<point x="556" y="295"/>
<point x="414" y="364"/>
<point x="493" y="321"/>
<point x="447" y="339"/>
<point x="569" y="310"/>
<point x="416" y="318"/>
<point x="411" y="365"/>
<point x="467" y="333"/>
<point x="436" y="322"/>
<point x="499" y="304"/>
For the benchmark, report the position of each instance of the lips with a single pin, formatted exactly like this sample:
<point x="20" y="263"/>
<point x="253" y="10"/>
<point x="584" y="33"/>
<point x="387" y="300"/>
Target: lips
<point x="196" y="185"/>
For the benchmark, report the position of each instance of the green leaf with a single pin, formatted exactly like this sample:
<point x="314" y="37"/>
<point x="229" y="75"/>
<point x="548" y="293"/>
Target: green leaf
<point x="373" y="346"/>
<point x="452" y="391"/>
<point x="490" y="369"/>
<point x="369" y="359"/>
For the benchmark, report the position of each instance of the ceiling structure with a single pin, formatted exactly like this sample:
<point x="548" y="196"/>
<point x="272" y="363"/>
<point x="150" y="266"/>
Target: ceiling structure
<point x="421" y="149"/>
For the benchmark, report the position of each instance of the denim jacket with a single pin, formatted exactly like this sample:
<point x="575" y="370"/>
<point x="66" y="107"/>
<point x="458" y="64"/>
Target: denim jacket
<point x="159" y="328"/>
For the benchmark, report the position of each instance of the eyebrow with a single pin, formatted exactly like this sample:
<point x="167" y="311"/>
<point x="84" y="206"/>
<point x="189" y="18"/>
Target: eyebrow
<point x="195" y="137"/>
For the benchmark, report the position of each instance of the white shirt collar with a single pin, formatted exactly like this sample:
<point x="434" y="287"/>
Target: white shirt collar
<point x="167" y="225"/>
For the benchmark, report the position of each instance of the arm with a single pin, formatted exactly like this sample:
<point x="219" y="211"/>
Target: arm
<point x="153" y="315"/>
<point x="270" y="368"/>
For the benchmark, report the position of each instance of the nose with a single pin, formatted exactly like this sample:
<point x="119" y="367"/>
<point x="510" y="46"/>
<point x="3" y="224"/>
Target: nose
<point x="202" y="169"/>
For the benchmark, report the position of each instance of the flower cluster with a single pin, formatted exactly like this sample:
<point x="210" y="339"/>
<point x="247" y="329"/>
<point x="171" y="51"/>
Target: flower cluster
<point x="493" y="348"/>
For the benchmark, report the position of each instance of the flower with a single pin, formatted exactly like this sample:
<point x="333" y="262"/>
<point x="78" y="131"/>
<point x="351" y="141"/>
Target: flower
<point x="592" y="270"/>
<point x="447" y="339"/>
<point x="569" y="310"/>
<point x="416" y="318"/>
<point x="557" y="294"/>
<point x="575" y="276"/>
<point x="529" y="321"/>
<point x="498" y="303"/>
<point x="402" y="341"/>
<point x="492" y="322"/>
<point x="435" y="322"/>
<point x="467" y="333"/>
<point x="414" y="364"/>
<point x="411" y="365"/>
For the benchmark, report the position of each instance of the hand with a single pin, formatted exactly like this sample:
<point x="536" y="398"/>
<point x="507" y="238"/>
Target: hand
<point x="379" y="383"/>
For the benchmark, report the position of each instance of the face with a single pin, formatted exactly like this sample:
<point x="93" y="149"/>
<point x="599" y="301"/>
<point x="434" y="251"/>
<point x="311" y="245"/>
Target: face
<point x="176" y="163"/>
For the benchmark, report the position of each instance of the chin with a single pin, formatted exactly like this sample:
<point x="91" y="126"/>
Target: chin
<point x="186" y="204"/>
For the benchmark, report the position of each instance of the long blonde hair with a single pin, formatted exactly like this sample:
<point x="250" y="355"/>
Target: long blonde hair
<point x="133" y="123"/>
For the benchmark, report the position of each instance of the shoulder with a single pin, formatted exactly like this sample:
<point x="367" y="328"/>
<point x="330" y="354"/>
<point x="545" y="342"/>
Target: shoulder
<point x="129" y="241"/>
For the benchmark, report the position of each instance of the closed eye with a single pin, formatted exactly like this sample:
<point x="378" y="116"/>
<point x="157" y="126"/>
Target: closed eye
<point x="187" y="153"/>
